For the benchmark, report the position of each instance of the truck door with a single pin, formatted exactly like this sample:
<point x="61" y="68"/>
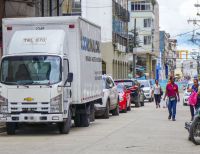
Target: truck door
<point x="67" y="93"/>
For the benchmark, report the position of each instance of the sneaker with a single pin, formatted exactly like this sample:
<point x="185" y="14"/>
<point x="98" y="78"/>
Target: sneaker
<point x="173" y="119"/>
<point x="169" y="117"/>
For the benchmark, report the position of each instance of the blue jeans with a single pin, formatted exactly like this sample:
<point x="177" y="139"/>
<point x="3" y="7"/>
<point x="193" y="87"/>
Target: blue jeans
<point x="172" y="108"/>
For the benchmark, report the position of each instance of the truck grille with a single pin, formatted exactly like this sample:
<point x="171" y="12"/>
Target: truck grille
<point x="29" y="107"/>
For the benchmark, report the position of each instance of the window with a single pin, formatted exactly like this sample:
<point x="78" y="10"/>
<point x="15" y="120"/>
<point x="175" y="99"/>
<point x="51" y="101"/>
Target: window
<point x="147" y="23"/>
<point x="140" y="6"/>
<point x="147" y="40"/>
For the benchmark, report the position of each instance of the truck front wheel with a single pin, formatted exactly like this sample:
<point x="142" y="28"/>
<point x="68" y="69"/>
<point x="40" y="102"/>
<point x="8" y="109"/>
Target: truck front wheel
<point x="10" y="128"/>
<point x="65" y="126"/>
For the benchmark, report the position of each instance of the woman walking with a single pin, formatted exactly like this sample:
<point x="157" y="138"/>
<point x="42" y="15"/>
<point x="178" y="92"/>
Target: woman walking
<point x="194" y="88"/>
<point x="173" y="94"/>
<point x="157" y="93"/>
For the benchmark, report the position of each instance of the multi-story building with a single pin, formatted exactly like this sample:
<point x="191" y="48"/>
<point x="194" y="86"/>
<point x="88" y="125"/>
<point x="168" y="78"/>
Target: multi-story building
<point x="113" y="17"/>
<point x="2" y="13"/>
<point x="171" y="57"/>
<point x="144" y="17"/>
<point x="164" y="49"/>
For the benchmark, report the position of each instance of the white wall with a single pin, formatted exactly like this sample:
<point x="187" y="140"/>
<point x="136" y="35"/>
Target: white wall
<point x="100" y="13"/>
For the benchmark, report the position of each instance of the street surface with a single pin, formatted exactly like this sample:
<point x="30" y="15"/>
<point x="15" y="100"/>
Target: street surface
<point x="144" y="130"/>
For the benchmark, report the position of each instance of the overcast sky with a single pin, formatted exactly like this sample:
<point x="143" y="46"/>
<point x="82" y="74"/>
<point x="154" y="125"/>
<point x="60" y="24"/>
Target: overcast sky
<point x="173" y="19"/>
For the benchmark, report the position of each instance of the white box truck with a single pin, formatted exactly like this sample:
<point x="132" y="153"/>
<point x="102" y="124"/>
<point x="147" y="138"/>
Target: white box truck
<point x="50" y="72"/>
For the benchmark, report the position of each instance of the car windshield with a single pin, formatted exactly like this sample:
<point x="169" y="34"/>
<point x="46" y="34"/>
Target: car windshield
<point x="32" y="70"/>
<point x="120" y="88"/>
<point x="144" y="83"/>
<point x="127" y="84"/>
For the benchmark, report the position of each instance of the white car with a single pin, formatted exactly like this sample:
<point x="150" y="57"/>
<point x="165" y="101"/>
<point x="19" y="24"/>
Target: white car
<point x="110" y="100"/>
<point x="147" y="89"/>
<point x="186" y="93"/>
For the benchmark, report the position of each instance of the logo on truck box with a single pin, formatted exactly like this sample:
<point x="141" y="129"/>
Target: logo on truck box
<point x="90" y="45"/>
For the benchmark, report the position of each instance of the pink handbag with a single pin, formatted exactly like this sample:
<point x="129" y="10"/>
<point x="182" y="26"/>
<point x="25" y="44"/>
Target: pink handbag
<point x="192" y="100"/>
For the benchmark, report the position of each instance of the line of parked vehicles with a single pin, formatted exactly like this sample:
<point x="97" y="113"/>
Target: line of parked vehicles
<point x="121" y="94"/>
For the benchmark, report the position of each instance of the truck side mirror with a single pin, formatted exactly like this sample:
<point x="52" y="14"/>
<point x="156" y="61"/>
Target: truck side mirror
<point x="142" y="86"/>
<point x="70" y="77"/>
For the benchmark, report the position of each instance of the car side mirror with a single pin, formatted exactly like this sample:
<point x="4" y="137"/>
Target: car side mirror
<point x="142" y="86"/>
<point x="70" y="77"/>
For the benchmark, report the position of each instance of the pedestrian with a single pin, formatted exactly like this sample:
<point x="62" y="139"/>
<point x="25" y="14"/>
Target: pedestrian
<point x="194" y="88"/>
<point x="157" y="92"/>
<point x="173" y="95"/>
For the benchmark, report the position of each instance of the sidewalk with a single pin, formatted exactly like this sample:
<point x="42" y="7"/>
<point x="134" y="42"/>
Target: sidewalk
<point x="2" y="127"/>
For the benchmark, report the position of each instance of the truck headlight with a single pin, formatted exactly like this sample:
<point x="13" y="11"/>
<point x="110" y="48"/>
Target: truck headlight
<point x="56" y="104"/>
<point x="3" y="105"/>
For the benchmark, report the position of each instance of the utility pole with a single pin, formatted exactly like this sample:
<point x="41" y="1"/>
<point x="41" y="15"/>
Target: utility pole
<point x="134" y="47"/>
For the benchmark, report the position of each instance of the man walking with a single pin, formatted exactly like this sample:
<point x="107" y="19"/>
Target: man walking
<point x="173" y="95"/>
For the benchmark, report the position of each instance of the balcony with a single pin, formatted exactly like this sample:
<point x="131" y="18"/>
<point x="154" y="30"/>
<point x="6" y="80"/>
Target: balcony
<point x="121" y="12"/>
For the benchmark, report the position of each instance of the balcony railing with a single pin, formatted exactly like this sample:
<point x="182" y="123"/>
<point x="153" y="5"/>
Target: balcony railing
<point x="121" y="12"/>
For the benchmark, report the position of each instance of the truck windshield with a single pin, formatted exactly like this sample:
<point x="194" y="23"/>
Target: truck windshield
<point x="31" y="70"/>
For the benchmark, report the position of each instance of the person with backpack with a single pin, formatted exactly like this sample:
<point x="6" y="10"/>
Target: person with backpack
<point x="173" y="95"/>
<point x="192" y="103"/>
<point x="157" y="92"/>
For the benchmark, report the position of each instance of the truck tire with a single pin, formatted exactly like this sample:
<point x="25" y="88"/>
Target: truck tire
<point x="10" y="128"/>
<point x="85" y="120"/>
<point x="115" y="112"/>
<point x="92" y="113"/>
<point x="194" y="131"/>
<point x="107" y="111"/>
<point x="77" y="120"/>
<point x="65" y="126"/>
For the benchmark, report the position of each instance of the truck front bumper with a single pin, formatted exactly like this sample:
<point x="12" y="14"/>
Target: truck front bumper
<point x="35" y="117"/>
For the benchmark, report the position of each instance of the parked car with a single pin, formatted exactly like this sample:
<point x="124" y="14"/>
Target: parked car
<point x="124" y="98"/>
<point x="186" y="93"/>
<point x="110" y="100"/>
<point x="147" y="88"/>
<point x="134" y="87"/>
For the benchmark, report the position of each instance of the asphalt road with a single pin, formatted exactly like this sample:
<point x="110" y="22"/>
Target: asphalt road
<point x="144" y="130"/>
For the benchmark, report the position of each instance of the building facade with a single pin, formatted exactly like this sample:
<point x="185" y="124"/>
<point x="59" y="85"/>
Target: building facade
<point x="144" y="17"/>
<point x="113" y="17"/>
<point x="2" y="13"/>
<point x="164" y="49"/>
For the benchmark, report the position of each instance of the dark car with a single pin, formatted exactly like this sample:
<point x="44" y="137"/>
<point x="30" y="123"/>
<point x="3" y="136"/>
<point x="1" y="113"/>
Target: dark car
<point x="135" y="89"/>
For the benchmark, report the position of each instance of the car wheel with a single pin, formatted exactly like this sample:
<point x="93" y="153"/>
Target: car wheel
<point x="125" y="109"/>
<point x="137" y="104"/>
<point x="150" y="100"/>
<point x="107" y="111"/>
<point x="142" y="103"/>
<point x="129" y="107"/>
<point x="115" y="112"/>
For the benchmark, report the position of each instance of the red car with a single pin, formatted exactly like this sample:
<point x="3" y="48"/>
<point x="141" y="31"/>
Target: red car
<point x="124" y="98"/>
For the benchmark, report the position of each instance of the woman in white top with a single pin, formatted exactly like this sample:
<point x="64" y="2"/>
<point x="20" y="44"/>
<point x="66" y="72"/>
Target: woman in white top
<point x="157" y="93"/>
